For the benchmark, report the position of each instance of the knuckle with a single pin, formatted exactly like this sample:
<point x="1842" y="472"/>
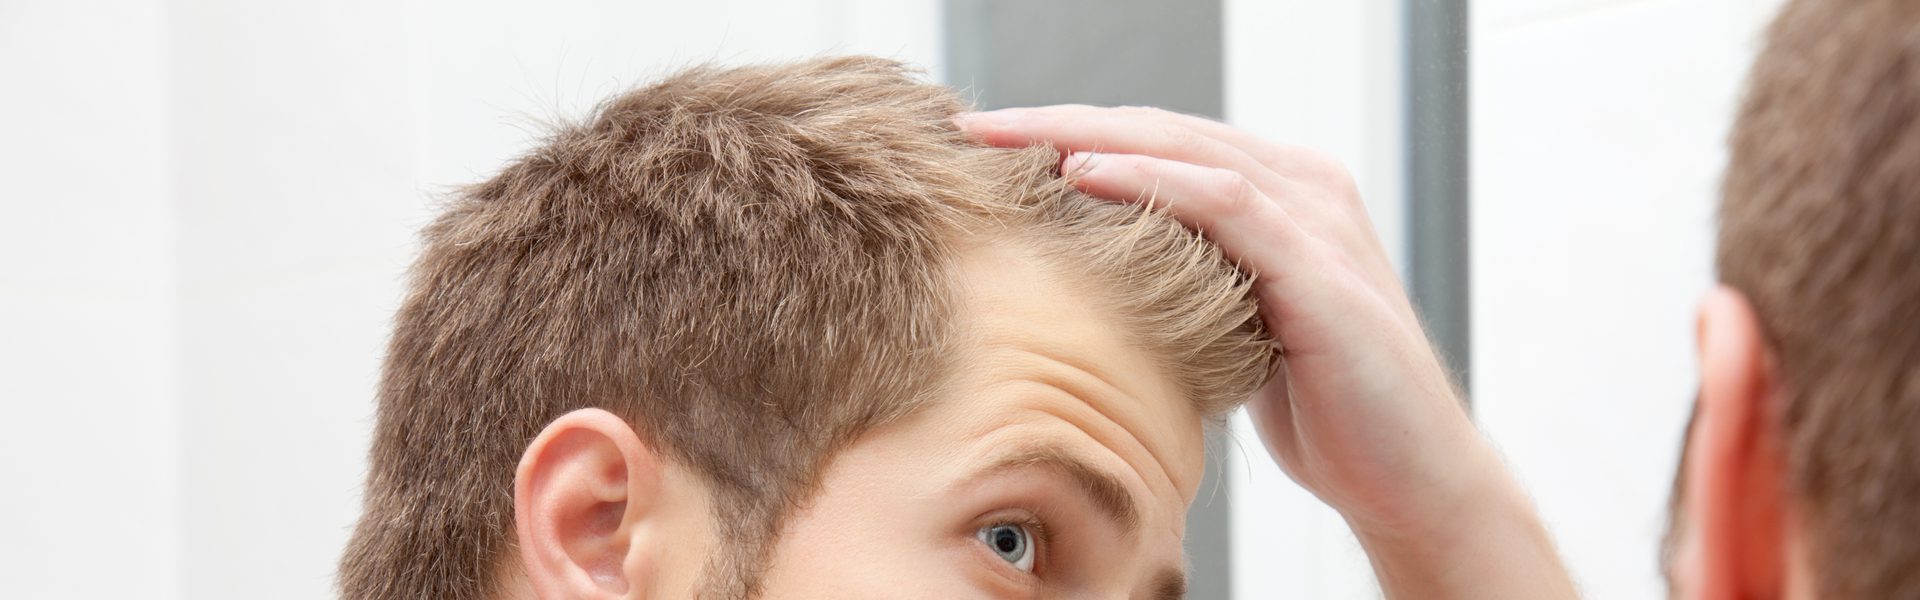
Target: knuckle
<point x="1237" y="195"/>
<point x="1320" y="169"/>
<point x="1179" y="138"/>
<point x="1340" y="180"/>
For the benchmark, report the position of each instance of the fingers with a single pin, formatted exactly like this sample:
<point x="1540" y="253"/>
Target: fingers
<point x="1281" y="172"/>
<point x="1072" y="129"/>
<point x="1061" y="126"/>
<point x="1219" y="203"/>
<point x="1293" y="162"/>
<point x="1297" y="273"/>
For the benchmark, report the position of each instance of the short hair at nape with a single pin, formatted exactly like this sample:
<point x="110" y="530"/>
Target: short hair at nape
<point x="753" y="266"/>
<point x="1820" y="229"/>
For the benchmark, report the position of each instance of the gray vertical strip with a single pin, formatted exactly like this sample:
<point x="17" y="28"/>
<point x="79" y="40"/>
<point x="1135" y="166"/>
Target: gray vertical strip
<point x="1436" y="176"/>
<point x="1161" y="53"/>
<point x="1108" y="52"/>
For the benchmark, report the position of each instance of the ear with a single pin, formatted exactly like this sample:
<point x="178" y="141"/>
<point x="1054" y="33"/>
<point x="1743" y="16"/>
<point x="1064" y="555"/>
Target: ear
<point x="1735" y="500"/>
<point x="585" y="494"/>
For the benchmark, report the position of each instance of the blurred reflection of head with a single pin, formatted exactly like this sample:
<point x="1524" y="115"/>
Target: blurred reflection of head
<point x="1802" y="473"/>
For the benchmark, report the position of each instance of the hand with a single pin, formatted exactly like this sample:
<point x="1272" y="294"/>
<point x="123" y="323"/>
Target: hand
<point x="1362" y="414"/>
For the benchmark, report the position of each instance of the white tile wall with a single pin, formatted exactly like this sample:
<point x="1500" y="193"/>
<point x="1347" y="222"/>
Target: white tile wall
<point x="1597" y="131"/>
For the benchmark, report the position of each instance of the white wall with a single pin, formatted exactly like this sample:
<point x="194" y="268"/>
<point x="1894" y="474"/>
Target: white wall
<point x="88" y="420"/>
<point x="210" y="208"/>
<point x="1323" y="75"/>
<point x="1597" y="130"/>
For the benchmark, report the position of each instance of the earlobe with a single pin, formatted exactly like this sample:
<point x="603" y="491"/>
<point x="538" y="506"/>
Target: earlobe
<point x="582" y="488"/>
<point x="1734" y="494"/>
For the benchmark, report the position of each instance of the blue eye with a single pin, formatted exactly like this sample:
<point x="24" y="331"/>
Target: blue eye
<point x="1012" y="542"/>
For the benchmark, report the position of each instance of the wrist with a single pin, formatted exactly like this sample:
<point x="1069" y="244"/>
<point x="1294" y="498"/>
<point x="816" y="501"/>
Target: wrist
<point x="1487" y="540"/>
<point x="1473" y="486"/>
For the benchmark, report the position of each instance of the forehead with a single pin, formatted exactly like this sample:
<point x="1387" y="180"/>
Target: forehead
<point x="1046" y="410"/>
<point x="1037" y="352"/>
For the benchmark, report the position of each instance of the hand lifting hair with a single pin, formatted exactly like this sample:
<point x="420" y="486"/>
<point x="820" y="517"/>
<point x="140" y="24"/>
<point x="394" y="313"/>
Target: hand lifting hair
<point x="784" y="331"/>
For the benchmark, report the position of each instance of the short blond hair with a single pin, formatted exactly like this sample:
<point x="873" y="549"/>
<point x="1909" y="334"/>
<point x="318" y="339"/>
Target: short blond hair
<point x="753" y="266"/>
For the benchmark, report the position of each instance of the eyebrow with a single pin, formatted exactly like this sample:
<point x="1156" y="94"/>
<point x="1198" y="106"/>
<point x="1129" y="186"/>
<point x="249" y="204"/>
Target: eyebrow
<point x="1104" y="490"/>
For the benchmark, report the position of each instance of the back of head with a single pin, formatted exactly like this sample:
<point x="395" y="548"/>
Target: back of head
<point x="751" y="266"/>
<point x="1820" y="228"/>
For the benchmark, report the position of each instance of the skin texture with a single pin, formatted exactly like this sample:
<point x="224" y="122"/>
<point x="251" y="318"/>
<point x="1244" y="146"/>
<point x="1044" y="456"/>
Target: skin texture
<point x="1742" y="538"/>
<point x="1053" y="423"/>
<point x="900" y="509"/>
<point x="1363" y="415"/>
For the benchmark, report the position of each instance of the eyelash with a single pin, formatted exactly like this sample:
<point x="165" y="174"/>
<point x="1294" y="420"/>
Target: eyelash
<point x="1037" y="527"/>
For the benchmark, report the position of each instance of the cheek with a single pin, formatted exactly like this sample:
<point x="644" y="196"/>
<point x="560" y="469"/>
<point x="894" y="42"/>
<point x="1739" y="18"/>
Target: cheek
<point x="859" y="542"/>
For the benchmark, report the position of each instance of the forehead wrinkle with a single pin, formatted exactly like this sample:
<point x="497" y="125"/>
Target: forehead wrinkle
<point x="1106" y="491"/>
<point x="1088" y="387"/>
<point x="1076" y="422"/>
<point x="1018" y="323"/>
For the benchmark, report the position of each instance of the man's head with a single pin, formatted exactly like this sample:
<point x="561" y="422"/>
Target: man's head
<point x="1802" y="475"/>
<point x="783" y="329"/>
